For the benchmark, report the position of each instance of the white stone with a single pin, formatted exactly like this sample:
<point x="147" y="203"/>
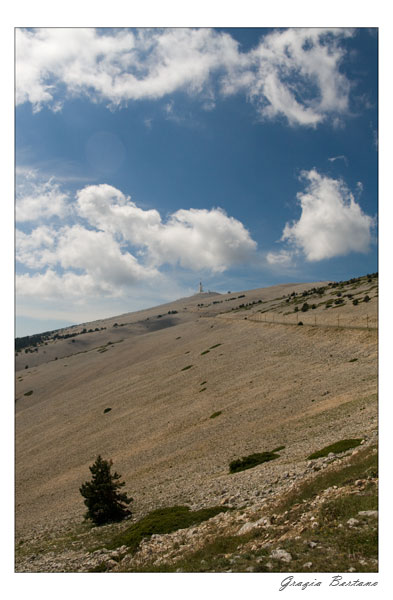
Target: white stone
<point x="281" y="554"/>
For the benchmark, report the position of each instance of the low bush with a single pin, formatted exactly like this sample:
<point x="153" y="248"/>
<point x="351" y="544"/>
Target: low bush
<point x="187" y="367"/>
<point x="28" y="393"/>
<point x="161" y="521"/>
<point x="248" y="462"/>
<point x="336" y="448"/>
<point x="216" y="414"/>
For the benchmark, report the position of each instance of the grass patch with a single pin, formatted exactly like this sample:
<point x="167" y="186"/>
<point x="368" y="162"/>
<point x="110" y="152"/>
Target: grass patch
<point x="28" y="393"/>
<point x="248" y="462"/>
<point x="161" y="521"/>
<point x="336" y="448"/>
<point x="216" y="414"/>
<point x="187" y="367"/>
<point x="362" y="465"/>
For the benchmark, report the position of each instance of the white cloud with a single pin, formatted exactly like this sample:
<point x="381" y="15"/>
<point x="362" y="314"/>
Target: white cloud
<point x="123" y="246"/>
<point x="340" y="157"/>
<point x="293" y="73"/>
<point x="35" y="249"/>
<point x="331" y="223"/>
<point x="37" y="199"/>
<point x="282" y="258"/>
<point x="194" y="239"/>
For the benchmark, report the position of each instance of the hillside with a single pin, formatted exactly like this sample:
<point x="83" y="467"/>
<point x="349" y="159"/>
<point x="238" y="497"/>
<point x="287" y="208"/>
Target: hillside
<point x="164" y="372"/>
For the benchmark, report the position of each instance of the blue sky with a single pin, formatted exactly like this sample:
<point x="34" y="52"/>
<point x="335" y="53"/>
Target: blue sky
<point x="149" y="159"/>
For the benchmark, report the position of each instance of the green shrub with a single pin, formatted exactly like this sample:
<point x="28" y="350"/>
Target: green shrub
<point x="341" y="446"/>
<point x="305" y="307"/>
<point x="248" y="462"/>
<point x="28" y="393"/>
<point x="366" y="299"/>
<point x="161" y="521"/>
<point x="105" y="504"/>
<point x="107" y="410"/>
<point x="205" y="352"/>
<point x="278" y="449"/>
<point x="216" y="414"/>
<point x="355" y="302"/>
<point x="215" y="346"/>
<point x="187" y="367"/>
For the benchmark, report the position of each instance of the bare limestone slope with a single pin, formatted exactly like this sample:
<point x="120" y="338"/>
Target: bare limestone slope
<point x="273" y="383"/>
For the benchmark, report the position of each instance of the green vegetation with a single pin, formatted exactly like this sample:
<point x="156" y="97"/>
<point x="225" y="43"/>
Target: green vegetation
<point x="104" y="503"/>
<point x="216" y="414"/>
<point x="28" y="393"/>
<point x="248" y="462"/>
<point x="353" y="360"/>
<point x="215" y="346"/>
<point x="163" y="520"/>
<point x="336" y="448"/>
<point x="205" y="352"/>
<point x="203" y="383"/>
<point x="107" y="410"/>
<point x="187" y="367"/>
<point x="202" y="390"/>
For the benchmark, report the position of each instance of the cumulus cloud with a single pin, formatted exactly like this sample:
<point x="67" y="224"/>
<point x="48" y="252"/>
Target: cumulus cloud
<point x="195" y="238"/>
<point x="116" y="245"/>
<point x="282" y="258"/>
<point x="294" y="73"/>
<point x="331" y="224"/>
<point x="37" y="200"/>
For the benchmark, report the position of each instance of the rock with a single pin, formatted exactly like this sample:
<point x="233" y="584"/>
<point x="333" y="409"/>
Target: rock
<point x="280" y="554"/>
<point x="307" y="565"/>
<point x="368" y="513"/>
<point x="352" y="522"/>
<point x="312" y="544"/>
<point x="265" y="521"/>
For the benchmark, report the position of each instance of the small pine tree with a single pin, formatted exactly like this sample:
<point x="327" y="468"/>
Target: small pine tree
<point x="104" y="503"/>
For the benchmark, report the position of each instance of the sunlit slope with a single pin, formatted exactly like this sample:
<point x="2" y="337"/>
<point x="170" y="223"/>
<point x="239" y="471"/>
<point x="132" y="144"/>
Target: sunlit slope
<point x="274" y="385"/>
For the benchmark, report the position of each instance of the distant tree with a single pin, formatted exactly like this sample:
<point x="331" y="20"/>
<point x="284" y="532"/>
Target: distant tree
<point x="366" y="299"/>
<point x="105" y="504"/>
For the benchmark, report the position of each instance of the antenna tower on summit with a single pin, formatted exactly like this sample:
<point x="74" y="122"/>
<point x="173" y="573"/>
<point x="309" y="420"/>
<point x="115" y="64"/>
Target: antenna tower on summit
<point x="200" y="287"/>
